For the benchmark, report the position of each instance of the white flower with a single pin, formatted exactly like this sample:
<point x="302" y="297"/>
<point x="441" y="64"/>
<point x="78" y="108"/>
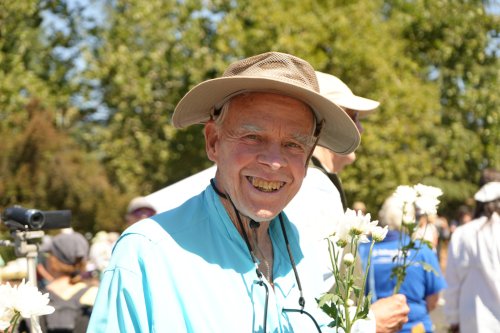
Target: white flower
<point x="379" y="233"/>
<point x="427" y="199"/>
<point x="31" y="302"/>
<point x="340" y="234"/>
<point x="348" y="259"/>
<point x="405" y="194"/>
<point x="428" y="191"/>
<point x="24" y="300"/>
<point x="6" y="314"/>
<point x="408" y="218"/>
<point x="358" y="223"/>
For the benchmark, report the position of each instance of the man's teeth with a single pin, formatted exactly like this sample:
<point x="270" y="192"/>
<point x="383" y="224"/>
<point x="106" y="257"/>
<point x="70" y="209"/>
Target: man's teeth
<point x="266" y="186"/>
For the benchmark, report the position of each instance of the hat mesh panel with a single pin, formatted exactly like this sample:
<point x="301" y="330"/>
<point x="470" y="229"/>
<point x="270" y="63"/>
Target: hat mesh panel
<point x="276" y="66"/>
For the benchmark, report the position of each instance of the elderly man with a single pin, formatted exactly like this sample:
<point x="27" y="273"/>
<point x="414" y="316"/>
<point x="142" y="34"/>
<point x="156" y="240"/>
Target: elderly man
<point x="224" y="261"/>
<point x="318" y="203"/>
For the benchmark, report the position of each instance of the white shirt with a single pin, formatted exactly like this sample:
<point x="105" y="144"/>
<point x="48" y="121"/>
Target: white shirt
<point x="473" y="276"/>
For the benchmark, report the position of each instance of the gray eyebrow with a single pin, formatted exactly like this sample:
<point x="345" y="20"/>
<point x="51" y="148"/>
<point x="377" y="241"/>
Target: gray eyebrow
<point x="304" y="139"/>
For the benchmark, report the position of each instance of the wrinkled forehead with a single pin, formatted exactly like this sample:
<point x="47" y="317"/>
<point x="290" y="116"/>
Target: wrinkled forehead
<point x="254" y="101"/>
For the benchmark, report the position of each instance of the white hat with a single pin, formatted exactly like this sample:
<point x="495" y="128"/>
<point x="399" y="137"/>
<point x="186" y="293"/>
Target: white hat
<point x="338" y="92"/>
<point x="271" y="72"/>
<point x="489" y="192"/>
<point x="139" y="202"/>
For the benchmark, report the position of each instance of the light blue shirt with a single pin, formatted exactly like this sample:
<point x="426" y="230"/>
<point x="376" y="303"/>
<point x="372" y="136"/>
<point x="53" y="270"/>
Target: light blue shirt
<point x="189" y="270"/>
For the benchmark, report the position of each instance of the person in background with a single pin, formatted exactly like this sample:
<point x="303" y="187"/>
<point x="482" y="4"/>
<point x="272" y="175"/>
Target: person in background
<point x="464" y="215"/>
<point x="391" y="312"/>
<point x="421" y="286"/>
<point x="70" y="295"/>
<point x="227" y="260"/>
<point x="359" y="206"/>
<point x="427" y="230"/>
<point x="100" y="251"/>
<point x="138" y="209"/>
<point x="473" y="269"/>
<point x="487" y="175"/>
<point x="356" y="108"/>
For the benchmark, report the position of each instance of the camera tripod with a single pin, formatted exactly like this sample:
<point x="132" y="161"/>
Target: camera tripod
<point x="23" y="248"/>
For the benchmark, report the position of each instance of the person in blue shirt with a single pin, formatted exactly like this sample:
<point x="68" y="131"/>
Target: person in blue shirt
<point x="228" y="259"/>
<point x="421" y="287"/>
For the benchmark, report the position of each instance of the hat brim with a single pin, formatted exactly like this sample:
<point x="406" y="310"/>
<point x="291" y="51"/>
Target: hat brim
<point x="339" y="132"/>
<point x="365" y="106"/>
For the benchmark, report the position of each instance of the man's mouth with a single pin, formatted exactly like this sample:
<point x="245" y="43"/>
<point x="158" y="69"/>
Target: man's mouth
<point x="265" y="185"/>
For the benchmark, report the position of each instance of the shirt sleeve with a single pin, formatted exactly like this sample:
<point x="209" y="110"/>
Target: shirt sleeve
<point x="454" y="276"/>
<point x="435" y="281"/>
<point x="120" y="305"/>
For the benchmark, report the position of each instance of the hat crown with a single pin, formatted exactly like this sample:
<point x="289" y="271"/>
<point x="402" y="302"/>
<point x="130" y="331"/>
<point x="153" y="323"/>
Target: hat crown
<point x="276" y="66"/>
<point x="488" y="192"/>
<point x="330" y="85"/>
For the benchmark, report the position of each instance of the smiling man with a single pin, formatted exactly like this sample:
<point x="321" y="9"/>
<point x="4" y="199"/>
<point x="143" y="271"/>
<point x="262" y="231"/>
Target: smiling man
<point x="224" y="261"/>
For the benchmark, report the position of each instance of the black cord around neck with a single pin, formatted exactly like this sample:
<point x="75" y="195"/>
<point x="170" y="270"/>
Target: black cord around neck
<point x="302" y="301"/>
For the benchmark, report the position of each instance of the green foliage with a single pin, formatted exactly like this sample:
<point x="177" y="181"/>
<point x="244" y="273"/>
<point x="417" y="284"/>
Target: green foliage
<point x="41" y="166"/>
<point x="150" y="54"/>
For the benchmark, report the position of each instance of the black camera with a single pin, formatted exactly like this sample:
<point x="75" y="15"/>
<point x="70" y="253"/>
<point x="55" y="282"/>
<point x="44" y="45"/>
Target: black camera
<point x="20" y="218"/>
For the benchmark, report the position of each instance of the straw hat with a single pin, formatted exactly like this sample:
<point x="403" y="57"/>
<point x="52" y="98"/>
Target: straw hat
<point x="338" y="92"/>
<point x="271" y="72"/>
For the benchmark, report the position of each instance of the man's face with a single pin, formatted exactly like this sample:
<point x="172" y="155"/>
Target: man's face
<point x="341" y="161"/>
<point x="260" y="149"/>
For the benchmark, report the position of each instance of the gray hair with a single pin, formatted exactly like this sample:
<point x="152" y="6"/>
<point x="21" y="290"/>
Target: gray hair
<point x="391" y="213"/>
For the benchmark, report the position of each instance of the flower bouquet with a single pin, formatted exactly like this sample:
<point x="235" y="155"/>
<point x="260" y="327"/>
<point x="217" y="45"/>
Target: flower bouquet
<point x="19" y="301"/>
<point x="424" y="200"/>
<point x="346" y="302"/>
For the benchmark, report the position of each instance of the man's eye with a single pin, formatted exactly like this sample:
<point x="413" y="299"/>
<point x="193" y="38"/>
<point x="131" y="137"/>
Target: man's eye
<point x="292" y="145"/>
<point x="251" y="137"/>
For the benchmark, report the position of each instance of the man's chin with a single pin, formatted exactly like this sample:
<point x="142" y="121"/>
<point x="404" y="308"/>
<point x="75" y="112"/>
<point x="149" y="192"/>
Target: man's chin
<point x="264" y="215"/>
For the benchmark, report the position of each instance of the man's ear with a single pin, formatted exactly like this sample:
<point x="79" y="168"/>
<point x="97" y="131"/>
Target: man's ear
<point x="211" y="138"/>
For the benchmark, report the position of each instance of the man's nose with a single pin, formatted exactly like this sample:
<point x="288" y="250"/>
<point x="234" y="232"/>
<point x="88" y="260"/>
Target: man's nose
<point x="273" y="156"/>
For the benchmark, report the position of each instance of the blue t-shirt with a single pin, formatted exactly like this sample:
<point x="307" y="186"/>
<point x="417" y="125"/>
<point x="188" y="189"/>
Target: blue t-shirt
<point x="189" y="270"/>
<point x="418" y="283"/>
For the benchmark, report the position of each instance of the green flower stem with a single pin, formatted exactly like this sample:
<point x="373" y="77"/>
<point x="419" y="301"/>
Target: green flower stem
<point x="365" y="276"/>
<point x="13" y="323"/>
<point x="348" y="279"/>
<point x="333" y="260"/>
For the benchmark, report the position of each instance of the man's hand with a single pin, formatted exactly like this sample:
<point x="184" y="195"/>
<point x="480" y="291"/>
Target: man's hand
<point x="391" y="313"/>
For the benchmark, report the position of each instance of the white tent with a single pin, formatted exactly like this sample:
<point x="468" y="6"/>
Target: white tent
<point x="175" y="194"/>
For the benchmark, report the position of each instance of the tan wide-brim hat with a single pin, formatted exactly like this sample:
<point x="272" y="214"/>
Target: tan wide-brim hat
<point x="338" y="92"/>
<point x="270" y="72"/>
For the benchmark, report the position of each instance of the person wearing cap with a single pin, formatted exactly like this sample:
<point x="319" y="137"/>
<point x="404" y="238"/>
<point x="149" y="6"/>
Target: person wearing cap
<point x="138" y="209"/>
<point x="227" y="260"/>
<point x="357" y="108"/>
<point x="70" y="294"/>
<point x="391" y="312"/>
<point x="473" y="269"/>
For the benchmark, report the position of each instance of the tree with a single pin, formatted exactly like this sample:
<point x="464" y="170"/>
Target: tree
<point x="459" y="52"/>
<point x="148" y="56"/>
<point x="41" y="165"/>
